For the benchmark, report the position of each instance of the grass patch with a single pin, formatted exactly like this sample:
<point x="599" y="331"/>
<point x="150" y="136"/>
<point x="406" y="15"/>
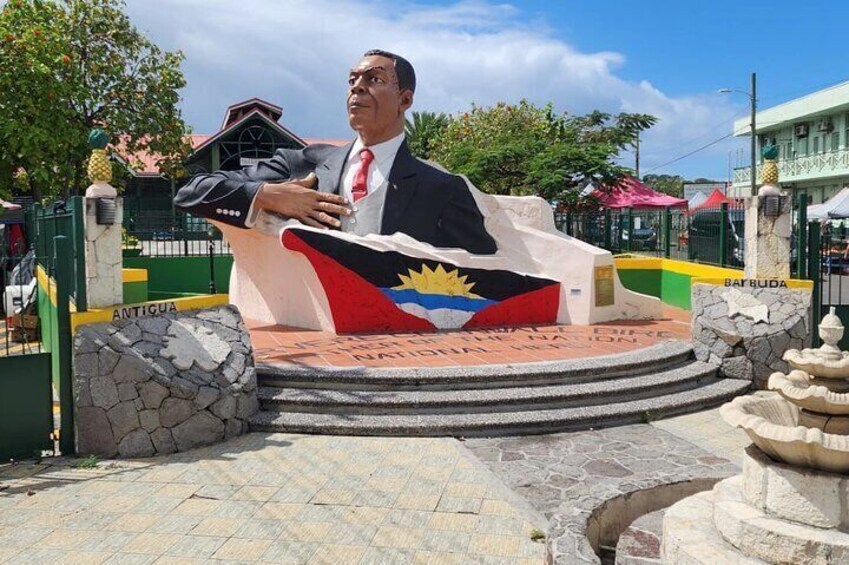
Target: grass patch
<point x="90" y="462"/>
<point x="537" y="535"/>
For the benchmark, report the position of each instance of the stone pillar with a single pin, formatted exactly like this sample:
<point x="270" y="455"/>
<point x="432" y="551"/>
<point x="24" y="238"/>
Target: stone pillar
<point x="104" y="260"/>
<point x="103" y="255"/>
<point x="768" y="237"/>
<point x="768" y="225"/>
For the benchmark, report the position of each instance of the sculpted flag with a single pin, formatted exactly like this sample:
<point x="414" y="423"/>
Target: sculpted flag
<point x="373" y="290"/>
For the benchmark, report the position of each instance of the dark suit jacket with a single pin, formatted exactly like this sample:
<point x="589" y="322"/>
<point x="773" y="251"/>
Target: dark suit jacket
<point x="421" y="201"/>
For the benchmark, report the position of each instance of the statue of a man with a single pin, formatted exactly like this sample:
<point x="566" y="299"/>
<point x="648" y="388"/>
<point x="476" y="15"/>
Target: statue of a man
<point x="371" y="185"/>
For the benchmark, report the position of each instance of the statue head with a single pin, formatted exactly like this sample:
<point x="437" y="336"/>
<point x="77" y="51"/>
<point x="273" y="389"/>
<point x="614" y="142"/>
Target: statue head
<point x="380" y="90"/>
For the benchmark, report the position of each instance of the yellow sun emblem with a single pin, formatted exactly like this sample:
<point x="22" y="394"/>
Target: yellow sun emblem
<point x="437" y="281"/>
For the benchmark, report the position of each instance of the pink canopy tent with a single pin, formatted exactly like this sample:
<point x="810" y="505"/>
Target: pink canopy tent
<point x="715" y="200"/>
<point x="631" y="192"/>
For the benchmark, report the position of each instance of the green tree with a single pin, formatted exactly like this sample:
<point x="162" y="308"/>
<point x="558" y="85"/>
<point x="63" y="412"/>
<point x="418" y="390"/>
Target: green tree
<point x="667" y="184"/>
<point x="522" y="149"/>
<point x="71" y="65"/>
<point x="423" y="130"/>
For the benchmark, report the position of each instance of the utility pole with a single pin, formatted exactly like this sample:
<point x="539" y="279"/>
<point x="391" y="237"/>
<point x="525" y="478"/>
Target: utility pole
<point x="637" y="156"/>
<point x="753" y="96"/>
<point x="753" y="101"/>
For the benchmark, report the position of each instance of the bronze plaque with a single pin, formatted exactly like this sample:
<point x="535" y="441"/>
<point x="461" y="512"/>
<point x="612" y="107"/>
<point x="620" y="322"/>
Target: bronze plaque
<point x="604" y="286"/>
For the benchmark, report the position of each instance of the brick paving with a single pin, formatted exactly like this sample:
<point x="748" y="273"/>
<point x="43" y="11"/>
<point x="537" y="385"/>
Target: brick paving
<point x="290" y="346"/>
<point x="270" y="498"/>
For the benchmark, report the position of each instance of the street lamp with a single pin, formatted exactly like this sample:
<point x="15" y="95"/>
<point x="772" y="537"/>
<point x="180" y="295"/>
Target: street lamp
<point x="753" y="100"/>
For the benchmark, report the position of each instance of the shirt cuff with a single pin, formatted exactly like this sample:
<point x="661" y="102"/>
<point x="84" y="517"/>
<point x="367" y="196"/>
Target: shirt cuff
<point x="253" y="211"/>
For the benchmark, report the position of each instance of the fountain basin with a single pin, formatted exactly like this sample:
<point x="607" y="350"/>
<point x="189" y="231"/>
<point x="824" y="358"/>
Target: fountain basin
<point x="831" y="365"/>
<point x="772" y="423"/>
<point x="798" y="389"/>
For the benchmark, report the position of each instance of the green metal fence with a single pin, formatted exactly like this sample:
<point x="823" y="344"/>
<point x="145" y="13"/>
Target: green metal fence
<point x="710" y="235"/>
<point x="707" y="235"/>
<point x="35" y="352"/>
<point x="63" y="218"/>
<point x="26" y="419"/>
<point x="163" y="233"/>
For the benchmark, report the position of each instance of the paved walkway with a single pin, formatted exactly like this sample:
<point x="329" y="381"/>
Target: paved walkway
<point x="272" y="498"/>
<point x="288" y="346"/>
<point x="567" y="476"/>
<point x="708" y="431"/>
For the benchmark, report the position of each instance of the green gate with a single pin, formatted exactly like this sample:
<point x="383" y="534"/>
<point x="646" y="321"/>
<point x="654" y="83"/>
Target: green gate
<point x="32" y="374"/>
<point x="26" y="416"/>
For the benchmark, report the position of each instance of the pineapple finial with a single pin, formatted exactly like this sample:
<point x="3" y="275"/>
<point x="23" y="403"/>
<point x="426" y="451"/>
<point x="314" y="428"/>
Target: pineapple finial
<point x="770" y="164"/>
<point x="99" y="168"/>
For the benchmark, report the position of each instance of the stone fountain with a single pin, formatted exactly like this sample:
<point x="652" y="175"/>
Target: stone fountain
<point x="791" y="504"/>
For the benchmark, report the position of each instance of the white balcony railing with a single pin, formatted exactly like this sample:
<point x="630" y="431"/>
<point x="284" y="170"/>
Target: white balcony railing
<point x="822" y="165"/>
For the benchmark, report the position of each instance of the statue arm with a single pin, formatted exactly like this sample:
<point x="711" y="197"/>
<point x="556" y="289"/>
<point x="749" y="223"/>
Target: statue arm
<point x="227" y="196"/>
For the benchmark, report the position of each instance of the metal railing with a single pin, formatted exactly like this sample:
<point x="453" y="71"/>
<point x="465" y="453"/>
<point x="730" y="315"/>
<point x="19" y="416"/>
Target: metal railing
<point x="62" y="218"/>
<point x="163" y="233"/>
<point x="19" y="323"/>
<point x="706" y="235"/>
<point x="828" y="163"/>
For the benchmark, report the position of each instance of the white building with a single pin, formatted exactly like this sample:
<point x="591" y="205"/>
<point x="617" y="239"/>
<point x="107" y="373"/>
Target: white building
<point x="812" y="134"/>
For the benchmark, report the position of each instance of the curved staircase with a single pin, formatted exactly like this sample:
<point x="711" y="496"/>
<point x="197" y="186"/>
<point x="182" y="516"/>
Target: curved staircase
<point x="657" y="381"/>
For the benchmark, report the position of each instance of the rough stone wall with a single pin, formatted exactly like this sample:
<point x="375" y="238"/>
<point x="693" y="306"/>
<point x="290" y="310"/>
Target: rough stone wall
<point x="104" y="260"/>
<point x="743" y="347"/>
<point x="162" y="384"/>
<point x="767" y="240"/>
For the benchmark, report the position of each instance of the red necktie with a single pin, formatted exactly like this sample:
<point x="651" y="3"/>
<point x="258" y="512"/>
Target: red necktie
<point x="360" y="187"/>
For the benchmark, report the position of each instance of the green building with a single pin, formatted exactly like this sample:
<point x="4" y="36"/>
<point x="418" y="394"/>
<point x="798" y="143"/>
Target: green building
<point x="812" y="134"/>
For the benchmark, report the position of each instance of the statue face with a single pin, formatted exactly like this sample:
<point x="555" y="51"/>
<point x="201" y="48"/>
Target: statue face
<point x="376" y="104"/>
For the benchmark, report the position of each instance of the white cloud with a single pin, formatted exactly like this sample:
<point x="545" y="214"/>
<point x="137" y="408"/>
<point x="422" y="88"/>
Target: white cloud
<point x="296" y="53"/>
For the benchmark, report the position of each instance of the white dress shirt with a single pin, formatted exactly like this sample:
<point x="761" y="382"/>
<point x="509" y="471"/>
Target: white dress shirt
<point x="368" y="210"/>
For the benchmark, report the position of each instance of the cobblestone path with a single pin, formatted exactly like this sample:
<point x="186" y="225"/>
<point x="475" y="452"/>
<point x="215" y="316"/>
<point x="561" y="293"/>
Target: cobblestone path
<point x="565" y="476"/>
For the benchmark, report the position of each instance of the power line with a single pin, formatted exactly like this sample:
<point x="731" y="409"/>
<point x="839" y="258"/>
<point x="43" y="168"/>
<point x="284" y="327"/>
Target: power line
<point x="733" y="133"/>
<point x="693" y="152"/>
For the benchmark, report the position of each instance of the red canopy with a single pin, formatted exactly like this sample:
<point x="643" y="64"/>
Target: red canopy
<point x="715" y="200"/>
<point x="631" y="192"/>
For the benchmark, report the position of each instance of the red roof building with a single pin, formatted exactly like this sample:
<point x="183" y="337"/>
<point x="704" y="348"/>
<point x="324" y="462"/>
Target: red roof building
<point x="250" y="132"/>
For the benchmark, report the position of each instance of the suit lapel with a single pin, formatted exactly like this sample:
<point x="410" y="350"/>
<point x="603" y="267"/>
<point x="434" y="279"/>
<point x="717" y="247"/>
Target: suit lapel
<point x="329" y="173"/>
<point x="403" y="183"/>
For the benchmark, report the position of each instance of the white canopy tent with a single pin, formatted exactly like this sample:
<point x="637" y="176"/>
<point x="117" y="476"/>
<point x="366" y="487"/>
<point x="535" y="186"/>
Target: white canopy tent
<point x="835" y="207"/>
<point x="697" y="200"/>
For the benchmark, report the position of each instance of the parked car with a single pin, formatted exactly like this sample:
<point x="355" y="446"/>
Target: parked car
<point x="645" y="239"/>
<point x="703" y="237"/>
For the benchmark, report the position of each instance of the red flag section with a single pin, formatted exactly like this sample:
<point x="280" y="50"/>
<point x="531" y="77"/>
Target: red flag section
<point x="537" y="307"/>
<point x="356" y="304"/>
<point x="357" y="279"/>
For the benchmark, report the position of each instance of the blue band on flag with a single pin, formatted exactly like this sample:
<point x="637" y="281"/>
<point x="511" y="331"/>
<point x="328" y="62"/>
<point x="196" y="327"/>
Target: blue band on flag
<point x="434" y="301"/>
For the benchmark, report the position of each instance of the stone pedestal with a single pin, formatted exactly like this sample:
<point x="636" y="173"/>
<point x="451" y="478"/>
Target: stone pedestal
<point x="103" y="257"/>
<point x="768" y="238"/>
<point x="160" y="384"/>
<point x="773" y="513"/>
<point x="746" y="325"/>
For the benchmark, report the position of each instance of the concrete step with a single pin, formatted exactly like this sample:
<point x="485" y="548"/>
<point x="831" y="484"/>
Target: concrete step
<point x="746" y="527"/>
<point x="505" y="422"/>
<point x="690" y="538"/>
<point x="648" y="360"/>
<point x="508" y="398"/>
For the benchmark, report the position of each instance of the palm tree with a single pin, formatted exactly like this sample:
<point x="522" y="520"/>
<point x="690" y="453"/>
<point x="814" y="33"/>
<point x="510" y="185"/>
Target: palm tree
<point x="423" y="130"/>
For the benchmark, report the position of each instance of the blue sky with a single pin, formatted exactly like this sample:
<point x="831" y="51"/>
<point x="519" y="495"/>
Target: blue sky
<point x="660" y="57"/>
